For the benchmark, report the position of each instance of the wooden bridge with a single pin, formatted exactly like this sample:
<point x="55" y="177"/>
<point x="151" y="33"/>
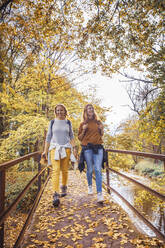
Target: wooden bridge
<point x="79" y="221"/>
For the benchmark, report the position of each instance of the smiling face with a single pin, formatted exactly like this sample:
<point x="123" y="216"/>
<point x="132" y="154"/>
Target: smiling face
<point x="60" y="112"/>
<point x="90" y="112"/>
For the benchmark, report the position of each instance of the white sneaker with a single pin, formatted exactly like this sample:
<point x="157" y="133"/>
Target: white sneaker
<point x="90" y="190"/>
<point x="100" y="197"/>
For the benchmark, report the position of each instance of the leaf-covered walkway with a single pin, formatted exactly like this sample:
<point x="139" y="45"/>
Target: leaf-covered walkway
<point x="81" y="222"/>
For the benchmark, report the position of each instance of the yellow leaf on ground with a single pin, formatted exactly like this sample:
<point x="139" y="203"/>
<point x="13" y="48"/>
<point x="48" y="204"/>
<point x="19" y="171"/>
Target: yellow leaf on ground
<point x="97" y="240"/>
<point x="123" y="241"/>
<point x="110" y="233"/>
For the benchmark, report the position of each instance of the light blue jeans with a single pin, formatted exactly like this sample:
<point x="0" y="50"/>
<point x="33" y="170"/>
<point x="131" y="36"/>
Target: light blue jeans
<point x="94" y="161"/>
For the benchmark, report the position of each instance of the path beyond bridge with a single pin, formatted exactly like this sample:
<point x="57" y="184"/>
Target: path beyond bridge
<point x="81" y="222"/>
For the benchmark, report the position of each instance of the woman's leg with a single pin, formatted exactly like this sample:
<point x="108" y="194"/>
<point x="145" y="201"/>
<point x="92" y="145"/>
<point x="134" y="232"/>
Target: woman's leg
<point x="55" y="171"/>
<point x="65" y="166"/>
<point x="88" y="154"/>
<point x="98" y="158"/>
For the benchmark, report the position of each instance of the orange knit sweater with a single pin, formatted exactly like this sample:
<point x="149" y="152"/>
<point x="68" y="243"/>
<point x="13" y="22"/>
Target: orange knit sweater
<point x="92" y="134"/>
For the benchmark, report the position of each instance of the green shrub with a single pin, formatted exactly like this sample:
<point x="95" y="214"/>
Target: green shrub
<point x="15" y="185"/>
<point x="148" y="167"/>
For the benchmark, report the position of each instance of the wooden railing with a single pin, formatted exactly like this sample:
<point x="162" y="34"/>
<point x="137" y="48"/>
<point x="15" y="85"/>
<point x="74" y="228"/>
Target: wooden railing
<point x="4" y="213"/>
<point x="157" y="194"/>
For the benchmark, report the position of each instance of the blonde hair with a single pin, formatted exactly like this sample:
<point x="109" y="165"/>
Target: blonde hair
<point x="63" y="106"/>
<point x="85" y="116"/>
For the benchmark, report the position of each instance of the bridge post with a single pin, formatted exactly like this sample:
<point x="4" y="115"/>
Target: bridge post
<point x="39" y="169"/>
<point x="2" y="204"/>
<point x="107" y="173"/>
<point x="48" y="172"/>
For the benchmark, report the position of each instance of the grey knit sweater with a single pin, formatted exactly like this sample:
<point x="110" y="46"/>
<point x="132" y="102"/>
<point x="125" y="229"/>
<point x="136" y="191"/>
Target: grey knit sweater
<point x="61" y="132"/>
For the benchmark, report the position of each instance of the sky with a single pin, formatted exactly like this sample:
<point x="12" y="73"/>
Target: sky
<point x="112" y="94"/>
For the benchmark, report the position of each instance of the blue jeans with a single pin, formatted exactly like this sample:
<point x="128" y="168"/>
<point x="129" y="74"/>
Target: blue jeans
<point x="94" y="160"/>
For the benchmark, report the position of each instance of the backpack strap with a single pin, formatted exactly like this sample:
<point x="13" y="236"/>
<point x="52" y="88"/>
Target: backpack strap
<point x="69" y="123"/>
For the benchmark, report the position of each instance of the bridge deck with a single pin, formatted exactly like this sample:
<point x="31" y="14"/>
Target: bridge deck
<point x="81" y="222"/>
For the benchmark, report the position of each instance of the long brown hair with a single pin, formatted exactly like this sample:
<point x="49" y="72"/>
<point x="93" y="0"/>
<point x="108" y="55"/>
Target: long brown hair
<point x="85" y="116"/>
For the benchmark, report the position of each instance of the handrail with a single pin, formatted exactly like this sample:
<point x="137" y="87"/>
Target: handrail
<point x="150" y="155"/>
<point x="19" y="239"/>
<point x="161" y="196"/>
<point x="7" y="165"/>
<point x="11" y="163"/>
<point x="157" y="232"/>
<point x="5" y="213"/>
<point x="142" y="154"/>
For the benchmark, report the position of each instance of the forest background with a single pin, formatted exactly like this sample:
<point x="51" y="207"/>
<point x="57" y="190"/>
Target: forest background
<point x="45" y="46"/>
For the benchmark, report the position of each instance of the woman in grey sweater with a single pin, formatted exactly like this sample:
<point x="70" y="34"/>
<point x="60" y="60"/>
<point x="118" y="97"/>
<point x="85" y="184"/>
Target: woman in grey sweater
<point x="61" y="146"/>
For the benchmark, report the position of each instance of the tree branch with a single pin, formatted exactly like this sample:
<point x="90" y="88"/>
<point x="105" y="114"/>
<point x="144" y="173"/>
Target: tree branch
<point x="134" y="79"/>
<point x="4" y="5"/>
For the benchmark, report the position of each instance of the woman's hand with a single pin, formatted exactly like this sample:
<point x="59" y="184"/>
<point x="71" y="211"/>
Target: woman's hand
<point x="45" y="155"/>
<point x="75" y="152"/>
<point x="45" y="152"/>
<point x="101" y="128"/>
<point x="84" y="127"/>
<point x="83" y="131"/>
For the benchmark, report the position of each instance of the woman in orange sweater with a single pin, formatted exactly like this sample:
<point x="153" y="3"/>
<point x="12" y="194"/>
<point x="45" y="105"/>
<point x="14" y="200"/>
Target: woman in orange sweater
<point x="90" y="134"/>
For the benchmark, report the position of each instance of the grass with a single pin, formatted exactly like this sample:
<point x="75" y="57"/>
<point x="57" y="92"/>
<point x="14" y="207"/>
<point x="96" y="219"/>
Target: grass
<point x="148" y="167"/>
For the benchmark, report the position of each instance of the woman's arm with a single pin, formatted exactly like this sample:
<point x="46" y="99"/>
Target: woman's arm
<point x="75" y="149"/>
<point x="47" y="141"/>
<point x="82" y="131"/>
<point x="73" y="143"/>
<point x="101" y="128"/>
<point x="45" y="152"/>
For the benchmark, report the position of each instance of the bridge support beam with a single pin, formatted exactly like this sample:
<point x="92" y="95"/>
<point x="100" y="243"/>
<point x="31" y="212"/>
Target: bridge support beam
<point x="2" y="204"/>
<point x="107" y="173"/>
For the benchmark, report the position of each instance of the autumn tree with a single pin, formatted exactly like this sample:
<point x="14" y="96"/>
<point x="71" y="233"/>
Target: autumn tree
<point x="30" y="106"/>
<point x="147" y="102"/>
<point x="129" y="34"/>
<point x="124" y="33"/>
<point x="31" y="32"/>
<point x="44" y="42"/>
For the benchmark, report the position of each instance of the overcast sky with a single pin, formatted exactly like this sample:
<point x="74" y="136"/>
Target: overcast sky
<point x="112" y="93"/>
